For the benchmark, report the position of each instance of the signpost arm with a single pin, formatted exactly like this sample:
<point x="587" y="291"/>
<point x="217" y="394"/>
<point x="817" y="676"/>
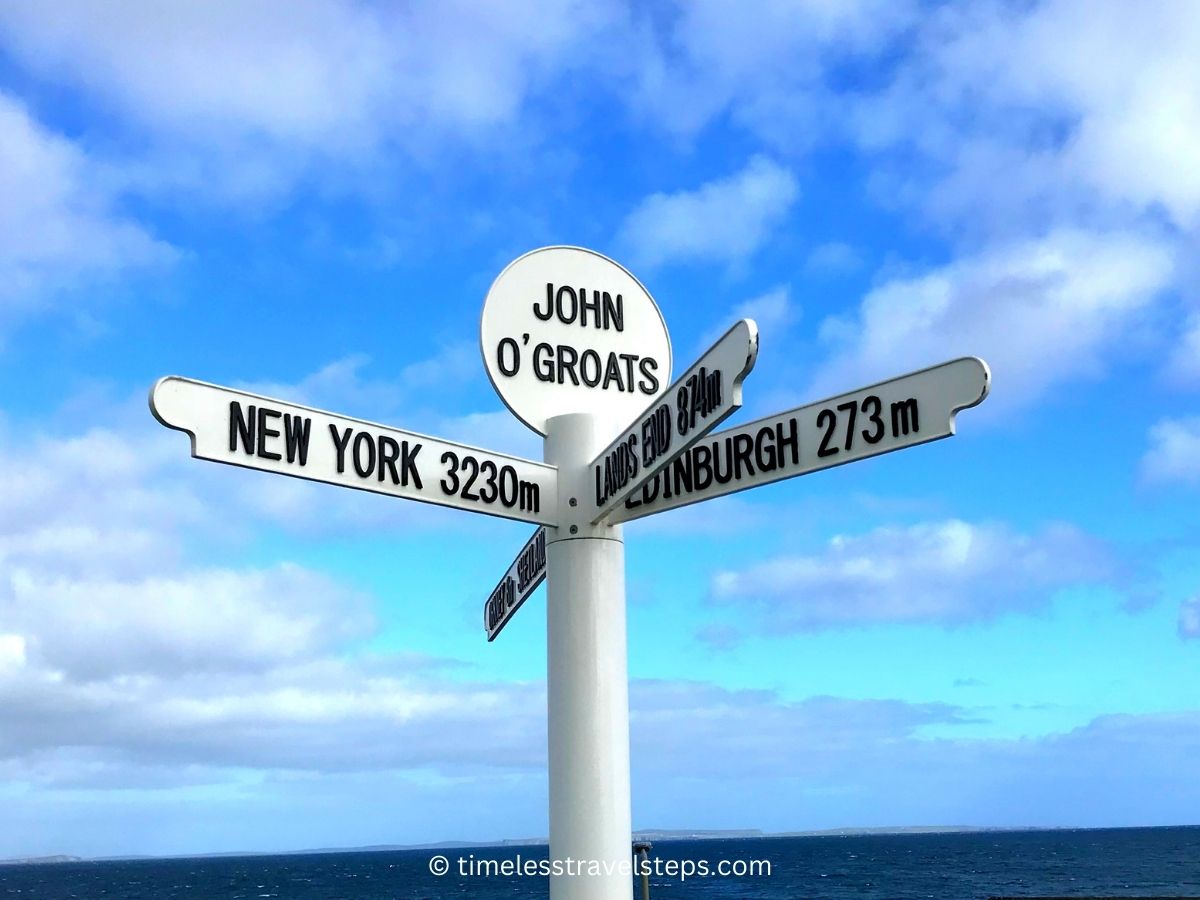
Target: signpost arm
<point x="587" y="678"/>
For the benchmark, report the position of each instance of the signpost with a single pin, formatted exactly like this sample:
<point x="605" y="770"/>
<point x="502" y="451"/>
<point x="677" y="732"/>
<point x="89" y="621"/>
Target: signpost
<point x="567" y="330"/>
<point x="702" y="398"/>
<point x="527" y="571"/>
<point x="913" y="409"/>
<point x="231" y="426"/>
<point x="576" y="347"/>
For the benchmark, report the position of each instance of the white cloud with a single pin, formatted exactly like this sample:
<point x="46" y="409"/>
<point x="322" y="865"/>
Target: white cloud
<point x="829" y="761"/>
<point x="269" y="772"/>
<point x="501" y="431"/>
<point x="1185" y="362"/>
<point x="1041" y="312"/>
<point x="1189" y="619"/>
<point x="724" y="221"/>
<point x="324" y="87"/>
<point x="833" y="258"/>
<point x="764" y="70"/>
<point x="112" y="642"/>
<point x="60" y="223"/>
<point x="949" y="572"/>
<point x="1174" y="453"/>
<point x="774" y="312"/>
<point x="345" y="386"/>
<point x="1062" y="107"/>
<point x="762" y="731"/>
<point x="205" y="619"/>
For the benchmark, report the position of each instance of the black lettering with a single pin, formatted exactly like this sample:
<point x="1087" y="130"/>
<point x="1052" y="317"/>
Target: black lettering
<point x="614" y="313"/>
<point x="340" y="442"/>
<point x="514" y="353"/>
<point x="408" y="465"/>
<point x="264" y="432"/>
<point x="648" y="365"/>
<point x="389" y="452"/>
<point x="241" y="427"/>
<point x="764" y="451"/>
<point x="594" y="358"/>
<point x="295" y="435"/>
<point x="904" y="414"/>
<point x="543" y="362"/>
<point x="472" y="463"/>
<point x="567" y="358"/>
<point x="490" y="490"/>
<point x="549" y="311"/>
<point x="826" y="419"/>
<point x="851" y="407"/>
<point x="361" y="440"/>
<point x="629" y="359"/>
<point x="681" y="472"/>
<point x="451" y="482"/>
<point x="792" y="441"/>
<point x="509" y="488"/>
<point x="722" y="477"/>
<point x="530" y="494"/>
<point x="875" y="419"/>
<point x="702" y="462"/>
<point x="558" y="304"/>
<point x="662" y="428"/>
<point x="742" y="445"/>
<point x="585" y="305"/>
<point x="612" y="372"/>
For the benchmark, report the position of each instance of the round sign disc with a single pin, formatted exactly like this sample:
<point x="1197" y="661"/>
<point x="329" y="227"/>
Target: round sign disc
<point x="567" y="330"/>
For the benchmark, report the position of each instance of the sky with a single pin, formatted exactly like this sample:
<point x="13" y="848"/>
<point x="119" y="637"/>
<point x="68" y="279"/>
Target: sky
<point x="310" y="201"/>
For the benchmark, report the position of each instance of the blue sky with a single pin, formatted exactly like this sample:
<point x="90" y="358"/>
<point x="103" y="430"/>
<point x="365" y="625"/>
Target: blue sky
<point x="998" y="629"/>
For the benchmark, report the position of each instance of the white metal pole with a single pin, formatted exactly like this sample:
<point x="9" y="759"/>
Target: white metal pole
<point x="587" y="679"/>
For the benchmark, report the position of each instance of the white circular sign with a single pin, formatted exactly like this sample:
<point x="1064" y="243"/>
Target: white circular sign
<point x="567" y="330"/>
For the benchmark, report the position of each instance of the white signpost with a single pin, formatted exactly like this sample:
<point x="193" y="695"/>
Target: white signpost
<point x="903" y="412"/>
<point x="703" y="397"/>
<point x="527" y="571"/>
<point x="566" y="330"/>
<point x="231" y="426"/>
<point x="576" y="348"/>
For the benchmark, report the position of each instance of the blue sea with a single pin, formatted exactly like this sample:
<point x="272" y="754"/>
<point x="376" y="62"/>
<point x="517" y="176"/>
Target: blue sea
<point x="1132" y="862"/>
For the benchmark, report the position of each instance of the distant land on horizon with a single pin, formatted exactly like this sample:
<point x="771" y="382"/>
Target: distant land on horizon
<point x="648" y="834"/>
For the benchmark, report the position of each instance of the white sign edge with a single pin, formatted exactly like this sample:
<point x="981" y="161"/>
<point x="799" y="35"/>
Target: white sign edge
<point x="324" y="412"/>
<point x="492" y="635"/>
<point x="617" y="519"/>
<point x="611" y="504"/>
<point x="483" y="351"/>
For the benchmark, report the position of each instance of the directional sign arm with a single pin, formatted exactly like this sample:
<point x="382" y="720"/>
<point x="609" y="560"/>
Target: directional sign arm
<point x="891" y="415"/>
<point x="527" y="571"/>
<point x="703" y="397"/>
<point x="243" y="429"/>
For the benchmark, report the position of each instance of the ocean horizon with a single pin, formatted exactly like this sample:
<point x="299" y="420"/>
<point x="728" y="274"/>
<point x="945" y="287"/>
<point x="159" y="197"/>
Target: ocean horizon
<point x="1160" y="861"/>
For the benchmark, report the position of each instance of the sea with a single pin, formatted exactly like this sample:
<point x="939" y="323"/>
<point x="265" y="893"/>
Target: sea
<point x="1127" y="862"/>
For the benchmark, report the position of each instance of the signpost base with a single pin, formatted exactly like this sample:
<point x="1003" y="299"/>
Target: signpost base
<point x="587" y="683"/>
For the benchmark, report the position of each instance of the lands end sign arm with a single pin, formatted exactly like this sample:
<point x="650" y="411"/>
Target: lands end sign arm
<point x="903" y="412"/>
<point x="241" y="429"/>
<point x="703" y="397"/>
